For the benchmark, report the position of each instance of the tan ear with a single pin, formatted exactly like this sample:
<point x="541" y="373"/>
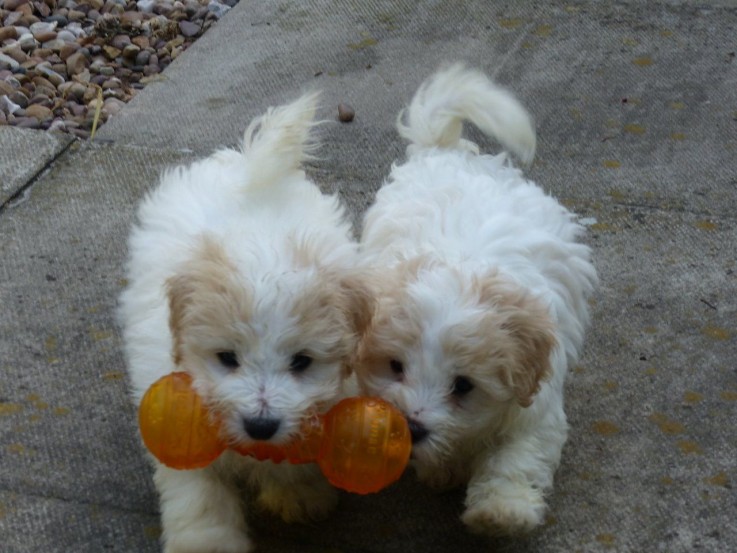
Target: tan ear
<point x="528" y="336"/>
<point x="179" y="290"/>
<point x="208" y="274"/>
<point x="530" y="327"/>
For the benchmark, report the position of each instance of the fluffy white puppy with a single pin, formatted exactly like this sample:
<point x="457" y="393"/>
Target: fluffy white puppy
<point x="242" y="273"/>
<point x="482" y="304"/>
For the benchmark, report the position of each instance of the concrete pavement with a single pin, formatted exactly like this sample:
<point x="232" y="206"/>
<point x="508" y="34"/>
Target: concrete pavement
<point x="636" y="110"/>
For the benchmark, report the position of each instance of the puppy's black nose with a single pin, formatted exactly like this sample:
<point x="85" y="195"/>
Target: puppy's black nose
<point x="261" y="428"/>
<point x="417" y="430"/>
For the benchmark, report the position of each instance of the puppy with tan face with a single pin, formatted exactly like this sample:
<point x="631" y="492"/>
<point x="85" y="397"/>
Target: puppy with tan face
<point x="482" y="303"/>
<point x="242" y="273"/>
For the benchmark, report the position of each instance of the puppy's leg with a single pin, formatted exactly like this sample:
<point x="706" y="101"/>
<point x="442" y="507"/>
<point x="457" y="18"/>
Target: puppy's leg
<point x="200" y="513"/>
<point x="294" y="492"/>
<point x="506" y="493"/>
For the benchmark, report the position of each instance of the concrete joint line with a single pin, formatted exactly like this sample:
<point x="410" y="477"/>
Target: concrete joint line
<point x="23" y="190"/>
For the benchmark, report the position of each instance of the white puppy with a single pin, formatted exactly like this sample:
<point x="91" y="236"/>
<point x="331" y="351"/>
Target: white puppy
<point x="482" y="304"/>
<point x="242" y="273"/>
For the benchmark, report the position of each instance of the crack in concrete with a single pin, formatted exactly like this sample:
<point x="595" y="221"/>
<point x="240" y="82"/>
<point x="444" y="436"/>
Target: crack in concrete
<point x="19" y="196"/>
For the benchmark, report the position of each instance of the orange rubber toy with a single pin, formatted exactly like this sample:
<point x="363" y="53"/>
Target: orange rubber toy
<point x="361" y="445"/>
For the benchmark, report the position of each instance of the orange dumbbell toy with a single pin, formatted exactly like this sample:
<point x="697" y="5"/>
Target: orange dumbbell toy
<point x="361" y="445"/>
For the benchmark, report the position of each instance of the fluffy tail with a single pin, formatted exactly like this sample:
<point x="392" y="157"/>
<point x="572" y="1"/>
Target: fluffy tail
<point x="456" y="94"/>
<point x="279" y="141"/>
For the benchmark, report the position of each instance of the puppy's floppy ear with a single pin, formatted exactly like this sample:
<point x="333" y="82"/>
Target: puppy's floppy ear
<point x="532" y="329"/>
<point x="527" y="336"/>
<point x="179" y="291"/>
<point x="209" y="278"/>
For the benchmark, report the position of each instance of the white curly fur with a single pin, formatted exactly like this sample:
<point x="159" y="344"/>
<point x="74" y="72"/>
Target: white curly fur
<point x="482" y="306"/>
<point x="241" y="253"/>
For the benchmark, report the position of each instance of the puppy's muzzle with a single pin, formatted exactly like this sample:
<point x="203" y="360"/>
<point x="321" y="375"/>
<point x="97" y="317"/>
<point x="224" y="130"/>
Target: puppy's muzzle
<point x="417" y="430"/>
<point x="261" y="428"/>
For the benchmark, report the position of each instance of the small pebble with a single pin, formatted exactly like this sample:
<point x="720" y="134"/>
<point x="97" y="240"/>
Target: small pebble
<point x="52" y="76"/>
<point x="111" y="52"/>
<point x="120" y="41"/>
<point x="76" y="15"/>
<point x="218" y="9"/>
<point x="143" y="57"/>
<point x="146" y="6"/>
<point x="42" y="27"/>
<point x="345" y="113"/>
<point x="188" y="28"/>
<point x="113" y="105"/>
<point x="16" y="53"/>
<point x="27" y="122"/>
<point x="38" y="111"/>
<point x="12" y="81"/>
<point x="54" y="45"/>
<point x="6" y="62"/>
<point x="131" y="51"/>
<point x="112" y="83"/>
<point x="61" y="20"/>
<point x="66" y="51"/>
<point x="8" y="33"/>
<point x="76" y="109"/>
<point x="66" y="36"/>
<point x="12" y="5"/>
<point x="6" y="89"/>
<point x="141" y="41"/>
<point x="41" y="99"/>
<point x="58" y="125"/>
<point x="44" y="36"/>
<point x="27" y="42"/>
<point x="19" y="98"/>
<point x="42" y="10"/>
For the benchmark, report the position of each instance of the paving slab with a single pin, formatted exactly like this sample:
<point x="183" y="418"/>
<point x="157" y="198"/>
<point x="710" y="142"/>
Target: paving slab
<point x="39" y="524"/>
<point x="68" y="436"/>
<point x="650" y="462"/>
<point x="651" y="403"/>
<point x="23" y="154"/>
<point x="622" y="93"/>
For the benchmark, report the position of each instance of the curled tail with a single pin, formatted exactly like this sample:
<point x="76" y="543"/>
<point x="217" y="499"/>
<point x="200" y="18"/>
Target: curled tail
<point x="456" y="94"/>
<point x="278" y="142"/>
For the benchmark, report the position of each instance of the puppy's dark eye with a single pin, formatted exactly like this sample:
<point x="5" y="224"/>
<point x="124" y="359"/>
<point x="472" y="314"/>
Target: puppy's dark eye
<point x="397" y="367"/>
<point x="228" y="359"/>
<point x="461" y="386"/>
<point x="300" y="362"/>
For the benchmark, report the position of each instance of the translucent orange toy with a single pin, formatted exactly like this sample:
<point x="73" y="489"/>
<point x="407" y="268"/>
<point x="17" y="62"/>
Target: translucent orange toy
<point x="361" y="445"/>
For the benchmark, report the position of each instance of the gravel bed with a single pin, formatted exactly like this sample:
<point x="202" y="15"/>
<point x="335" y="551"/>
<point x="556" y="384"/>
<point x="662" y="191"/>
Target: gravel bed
<point x="61" y="61"/>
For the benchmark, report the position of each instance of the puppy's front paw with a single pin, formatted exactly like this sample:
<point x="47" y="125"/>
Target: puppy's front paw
<point x="221" y="539"/>
<point x="515" y="510"/>
<point x="313" y="499"/>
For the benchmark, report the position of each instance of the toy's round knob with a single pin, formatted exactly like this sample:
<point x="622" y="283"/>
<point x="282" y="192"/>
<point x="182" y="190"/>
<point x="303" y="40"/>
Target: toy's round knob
<point x="366" y="445"/>
<point x="175" y="426"/>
